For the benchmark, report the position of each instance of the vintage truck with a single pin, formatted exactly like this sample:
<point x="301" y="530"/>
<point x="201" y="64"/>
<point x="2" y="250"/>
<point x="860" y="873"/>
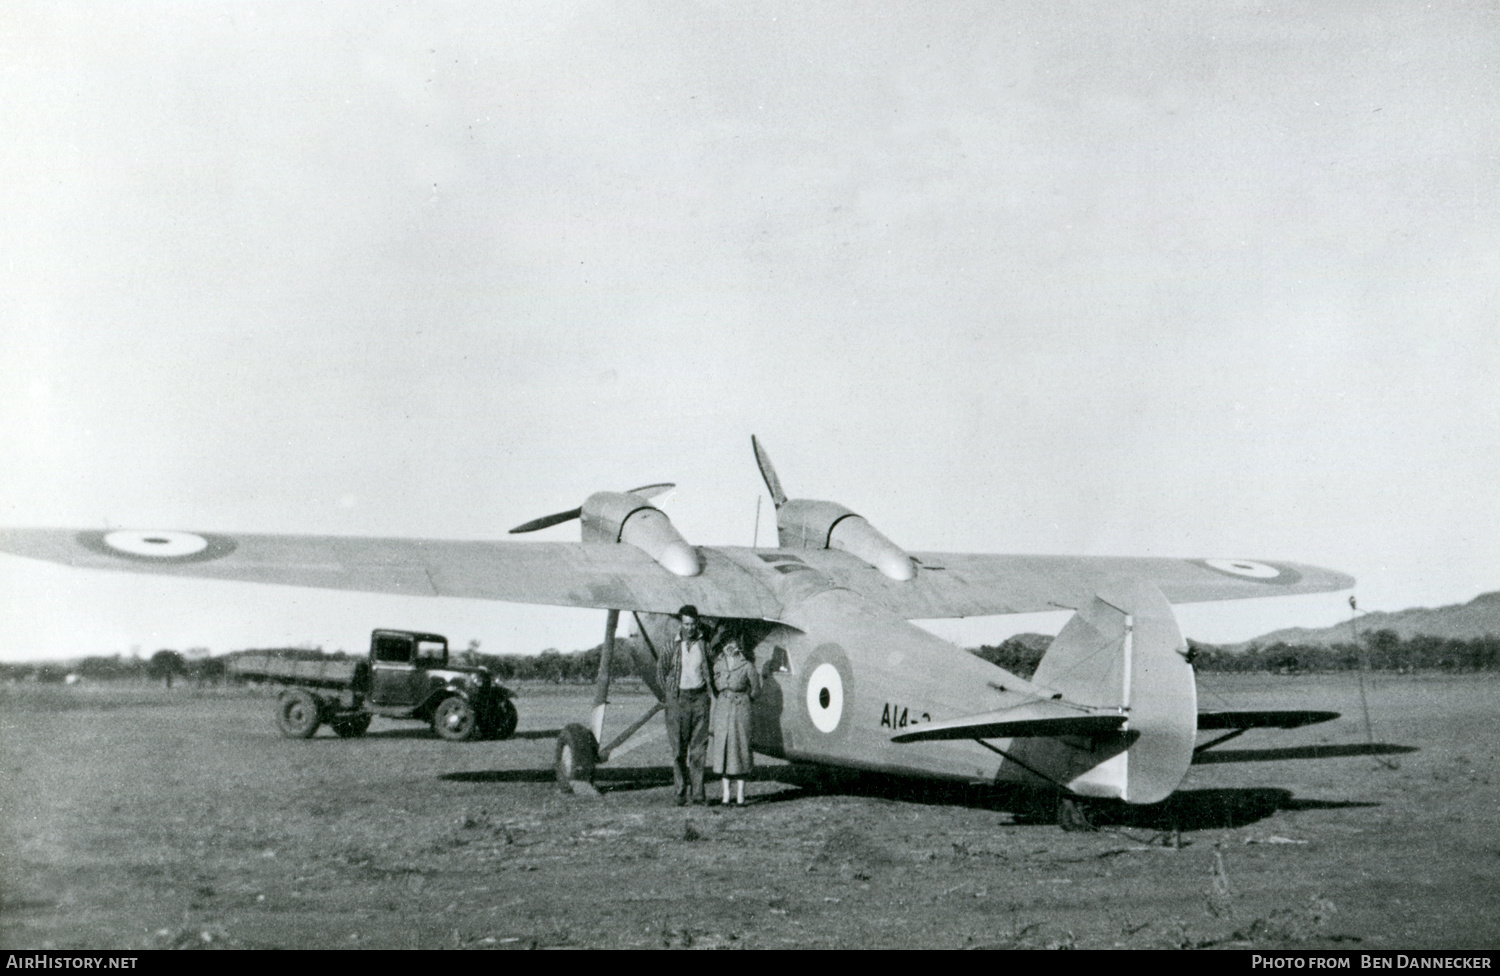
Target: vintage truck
<point x="407" y="676"/>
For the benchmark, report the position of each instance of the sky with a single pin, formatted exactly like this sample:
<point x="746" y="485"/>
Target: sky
<point x="1118" y="278"/>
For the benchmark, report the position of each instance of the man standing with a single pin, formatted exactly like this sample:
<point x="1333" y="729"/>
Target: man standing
<point x="687" y="679"/>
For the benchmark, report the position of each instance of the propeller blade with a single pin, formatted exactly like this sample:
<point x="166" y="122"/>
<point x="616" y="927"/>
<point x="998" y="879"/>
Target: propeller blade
<point x="773" y="483"/>
<point x="546" y="521"/>
<point x="651" y="491"/>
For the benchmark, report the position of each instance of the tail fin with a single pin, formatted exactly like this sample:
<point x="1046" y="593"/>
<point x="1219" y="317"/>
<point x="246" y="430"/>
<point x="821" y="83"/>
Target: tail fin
<point x="1123" y="650"/>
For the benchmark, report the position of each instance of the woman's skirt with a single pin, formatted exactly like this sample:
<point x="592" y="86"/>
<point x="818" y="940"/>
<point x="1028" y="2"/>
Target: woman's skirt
<point x="731" y="728"/>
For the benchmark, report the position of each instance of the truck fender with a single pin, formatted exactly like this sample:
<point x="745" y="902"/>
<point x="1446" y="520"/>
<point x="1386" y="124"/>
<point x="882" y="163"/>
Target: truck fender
<point x="360" y="684"/>
<point x="433" y="700"/>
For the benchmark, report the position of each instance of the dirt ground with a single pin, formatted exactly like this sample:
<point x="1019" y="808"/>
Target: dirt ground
<point x="133" y="817"/>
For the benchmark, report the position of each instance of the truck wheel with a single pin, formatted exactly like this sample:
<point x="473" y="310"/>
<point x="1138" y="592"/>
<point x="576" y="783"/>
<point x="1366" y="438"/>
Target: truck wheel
<point x="576" y="754"/>
<point x="297" y="714"/>
<point x="351" y="726"/>
<point x="503" y="723"/>
<point x="455" y="720"/>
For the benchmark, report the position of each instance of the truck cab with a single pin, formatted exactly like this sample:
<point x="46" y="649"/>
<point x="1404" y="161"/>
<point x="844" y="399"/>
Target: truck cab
<point x="409" y="676"/>
<point x="401" y="663"/>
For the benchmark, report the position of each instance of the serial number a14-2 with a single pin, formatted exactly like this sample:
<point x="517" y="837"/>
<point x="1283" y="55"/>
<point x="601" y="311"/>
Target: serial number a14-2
<point x="900" y="716"/>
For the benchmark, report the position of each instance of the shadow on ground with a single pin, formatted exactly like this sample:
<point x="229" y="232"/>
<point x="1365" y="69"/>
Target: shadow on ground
<point x="1187" y="810"/>
<point x="1214" y="756"/>
<point x="425" y="732"/>
<point x="606" y="779"/>
<point x="1212" y="809"/>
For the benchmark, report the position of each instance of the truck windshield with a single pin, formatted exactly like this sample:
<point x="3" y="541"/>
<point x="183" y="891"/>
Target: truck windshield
<point x="393" y="648"/>
<point x="432" y="652"/>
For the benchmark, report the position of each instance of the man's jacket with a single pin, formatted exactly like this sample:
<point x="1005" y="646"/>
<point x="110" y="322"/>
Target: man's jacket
<point x="669" y="667"/>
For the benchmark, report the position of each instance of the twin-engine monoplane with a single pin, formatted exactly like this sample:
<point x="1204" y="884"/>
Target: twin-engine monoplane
<point x="1111" y="711"/>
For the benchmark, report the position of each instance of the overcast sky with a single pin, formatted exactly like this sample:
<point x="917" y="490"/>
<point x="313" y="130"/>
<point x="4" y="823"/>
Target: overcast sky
<point x="1198" y="279"/>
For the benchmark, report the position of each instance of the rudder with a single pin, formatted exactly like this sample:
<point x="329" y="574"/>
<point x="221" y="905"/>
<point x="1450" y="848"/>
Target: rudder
<point x="1123" y="650"/>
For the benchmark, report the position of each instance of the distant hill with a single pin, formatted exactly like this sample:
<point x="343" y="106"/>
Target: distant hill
<point x="1018" y="655"/>
<point x="1480" y="617"/>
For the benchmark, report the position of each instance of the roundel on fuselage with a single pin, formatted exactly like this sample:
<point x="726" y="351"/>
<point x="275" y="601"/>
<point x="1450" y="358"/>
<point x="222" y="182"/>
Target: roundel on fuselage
<point x="828" y="693"/>
<point x="825" y="698"/>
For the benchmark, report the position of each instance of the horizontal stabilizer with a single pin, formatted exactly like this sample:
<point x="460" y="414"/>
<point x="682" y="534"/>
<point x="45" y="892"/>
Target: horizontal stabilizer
<point x="1032" y="720"/>
<point x="1208" y="721"/>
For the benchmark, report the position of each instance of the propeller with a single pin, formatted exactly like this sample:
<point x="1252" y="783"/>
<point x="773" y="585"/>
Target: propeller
<point x="547" y="521"/>
<point x="773" y="483"/>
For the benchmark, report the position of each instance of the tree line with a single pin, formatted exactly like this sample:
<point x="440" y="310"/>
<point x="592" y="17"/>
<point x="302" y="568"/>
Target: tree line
<point x="1382" y="650"/>
<point x="166" y="665"/>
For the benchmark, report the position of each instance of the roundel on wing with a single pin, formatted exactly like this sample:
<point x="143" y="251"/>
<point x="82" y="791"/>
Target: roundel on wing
<point x="828" y="694"/>
<point x="158" y="545"/>
<point x="1252" y="570"/>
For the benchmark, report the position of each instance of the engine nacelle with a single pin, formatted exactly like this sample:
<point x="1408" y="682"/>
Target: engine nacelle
<point x="803" y="523"/>
<point x="618" y="516"/>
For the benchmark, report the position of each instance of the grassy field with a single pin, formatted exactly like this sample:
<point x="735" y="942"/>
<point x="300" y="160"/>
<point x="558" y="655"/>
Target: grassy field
<point x="131" y="816"/>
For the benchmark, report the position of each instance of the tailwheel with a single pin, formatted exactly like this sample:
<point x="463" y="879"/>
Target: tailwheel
<point x="1073" y="815"/>
<point x="577" y="752"/>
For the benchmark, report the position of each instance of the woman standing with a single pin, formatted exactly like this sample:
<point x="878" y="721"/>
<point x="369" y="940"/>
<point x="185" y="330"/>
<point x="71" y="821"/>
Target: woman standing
<point x="737" y="683"/>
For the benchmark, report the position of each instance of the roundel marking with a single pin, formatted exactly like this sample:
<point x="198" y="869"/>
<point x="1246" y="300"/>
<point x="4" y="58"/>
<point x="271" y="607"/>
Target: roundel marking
<point x="1243" y="567"/>
<point x="825" y="697"/>
<point x="160" y="544"/>
<point x="157" y="545"/>
<point x="822" y="704"/>
<point x="1251" y="570"/>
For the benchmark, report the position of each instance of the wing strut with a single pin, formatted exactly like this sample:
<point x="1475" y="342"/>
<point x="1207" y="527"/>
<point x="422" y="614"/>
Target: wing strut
<point x="601" y="683"/>
<point x="606" y="750"/>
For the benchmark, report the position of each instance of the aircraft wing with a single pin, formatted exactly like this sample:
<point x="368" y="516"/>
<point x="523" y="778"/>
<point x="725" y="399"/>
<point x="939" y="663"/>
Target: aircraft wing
<point x="575" y="574"/>
<point x="974" y="585"/>
<point x="735" y="582"/>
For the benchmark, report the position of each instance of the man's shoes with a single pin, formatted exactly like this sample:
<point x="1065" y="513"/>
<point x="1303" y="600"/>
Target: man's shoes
<point x="681" y="799"/>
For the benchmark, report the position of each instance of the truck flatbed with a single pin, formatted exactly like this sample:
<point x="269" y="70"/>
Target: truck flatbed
<point x="407" y="676"/>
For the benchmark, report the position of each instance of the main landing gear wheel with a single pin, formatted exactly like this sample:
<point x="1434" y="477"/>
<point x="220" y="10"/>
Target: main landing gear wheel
<point x="1072" y="815"/>
<point x="455" y="720"/>
<point x="297" y="715"/>
<point x="577" y="752"/>
<point x="351" y="726"/>
<point x="503" y="722"/>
